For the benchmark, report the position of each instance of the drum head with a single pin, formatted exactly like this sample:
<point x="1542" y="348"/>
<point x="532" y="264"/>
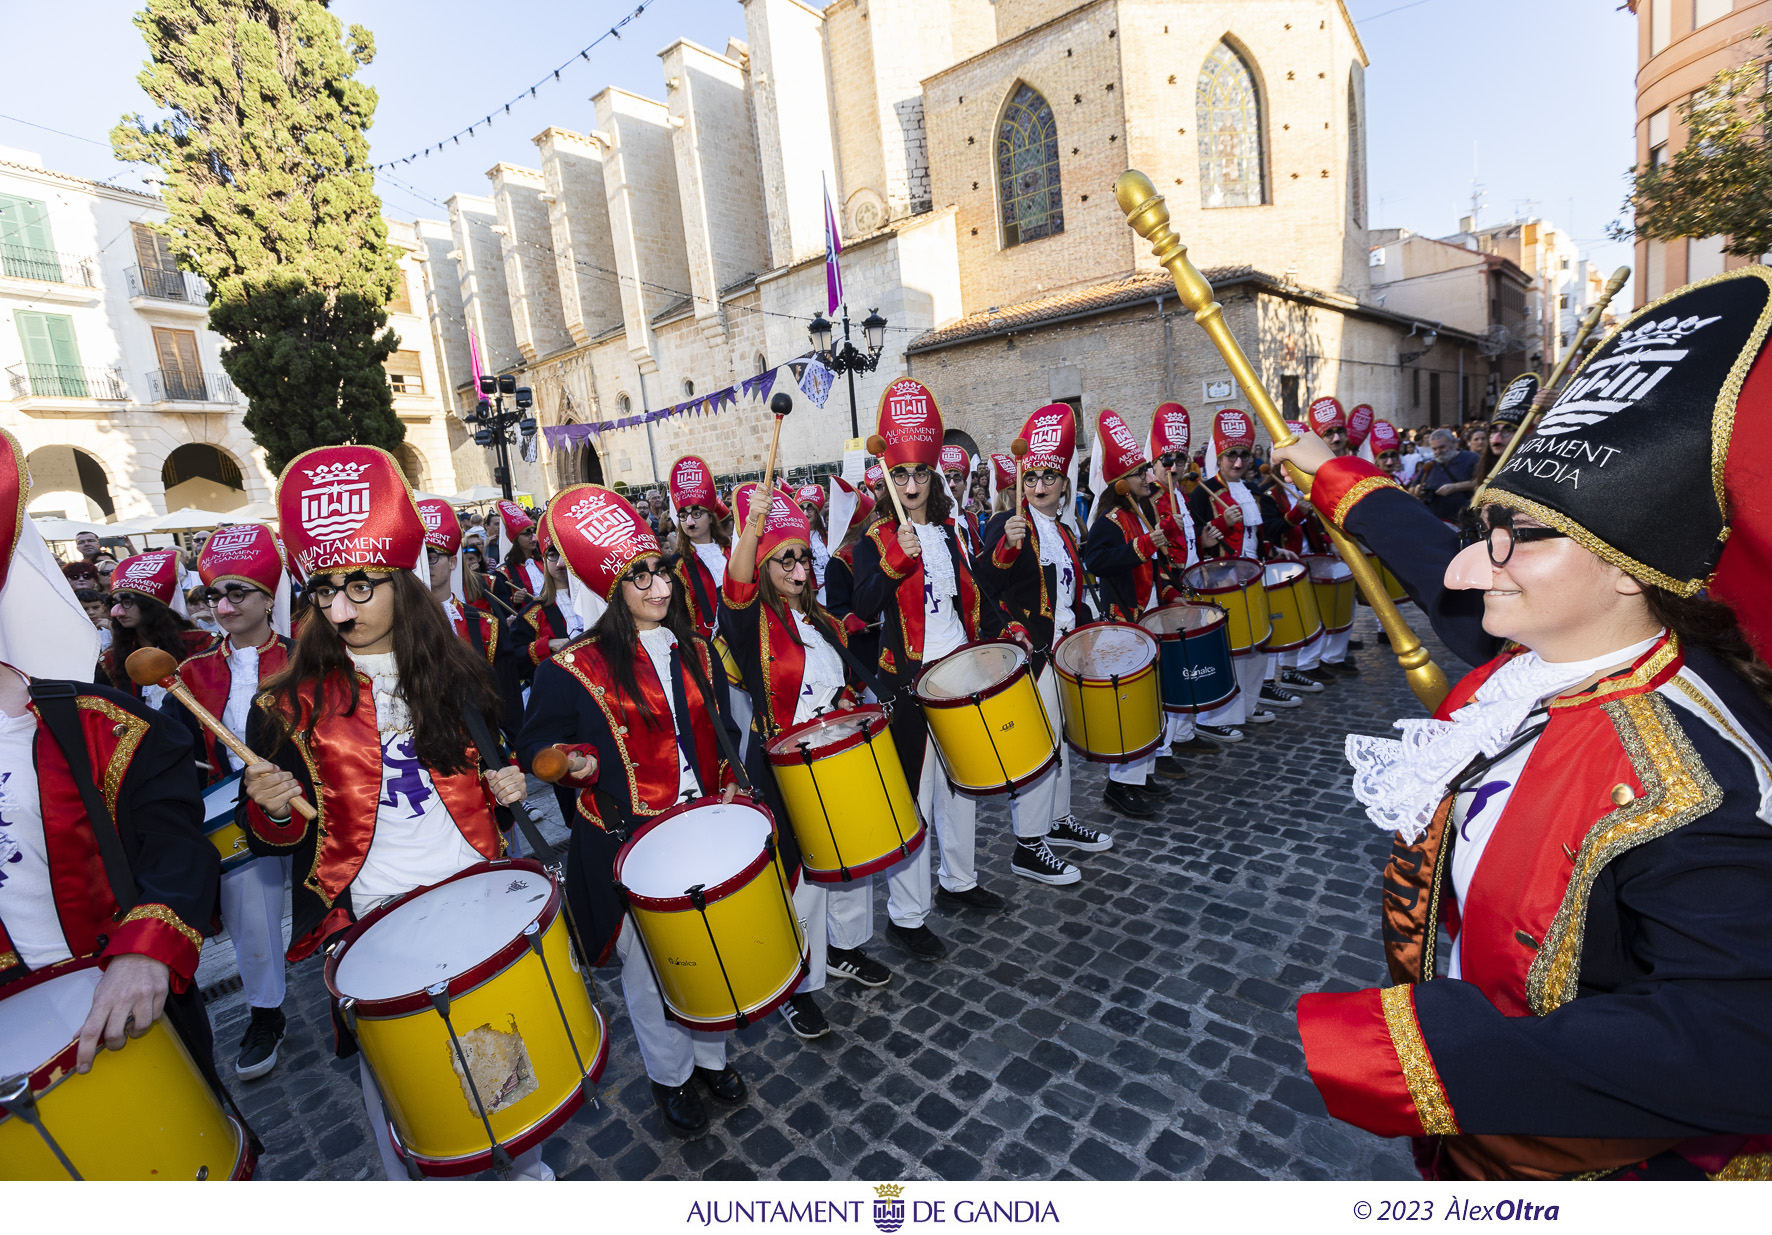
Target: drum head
<point x="220" y="799"/>
<point x="1222" y="575"/>
<point x="1181" y="619"/>
<point x="1326" y="569"/>
<point x="970" y="670"/>
<point x="1280" y="574"/>
<point x="823" y="732"/>
<point x="37" y="1024"/>
<point x="441" y="933"/>
<point x="707" y="845"/>
<point x="1106" y="649"/>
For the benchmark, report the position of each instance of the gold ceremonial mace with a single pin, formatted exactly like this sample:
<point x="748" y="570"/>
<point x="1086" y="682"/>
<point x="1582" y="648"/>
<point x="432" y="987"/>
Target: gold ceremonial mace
<point x="1148" y="215"/>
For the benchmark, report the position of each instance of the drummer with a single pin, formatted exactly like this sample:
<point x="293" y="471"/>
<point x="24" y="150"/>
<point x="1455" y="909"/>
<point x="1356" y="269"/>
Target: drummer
<point x="637" y="747"/>
<point x="875" y="479"/>
<point x="956" y="470"/>
<point x="1324" y="418"/>
<point x="702" y="542"/>
<point x="1167" y="450"/>
<point x="1298" y="671"/>
<point x="419" y="809"/>
<point x="245" y="574"/>
<point x="522" y="564"/>
<point x="811" y="501"/>
<point x="851" y="509"/>
<point x="1127" y="551"/>
<point x="1030" y="567"/>
<point x="914" y="578"/>
<point x="148" y="610"/>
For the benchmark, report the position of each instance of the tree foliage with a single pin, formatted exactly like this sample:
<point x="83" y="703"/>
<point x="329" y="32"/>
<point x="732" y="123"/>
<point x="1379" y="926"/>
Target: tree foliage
<point x="1718" y="183"/>
<point x="271" y="199"/>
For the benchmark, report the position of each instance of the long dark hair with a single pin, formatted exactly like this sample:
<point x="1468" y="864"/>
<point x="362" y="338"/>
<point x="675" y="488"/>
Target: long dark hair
<point x="1711" y="625"/>
<point x="938" y="508"/>
<point x="779" y="605"/>
<point x="157" y="626"/>
<point x="1112" y="499"/>
<point x="618" y="639"/>
<point x="439" y="672"/>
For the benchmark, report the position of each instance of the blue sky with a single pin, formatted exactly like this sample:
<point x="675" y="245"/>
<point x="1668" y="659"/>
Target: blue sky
<point x="1532" y="97"/>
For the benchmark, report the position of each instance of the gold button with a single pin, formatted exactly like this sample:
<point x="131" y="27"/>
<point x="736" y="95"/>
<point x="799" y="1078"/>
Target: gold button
<point x="1623" y="795"/>
<point x="118" y="730"/>
<point x="1526" y="939"/>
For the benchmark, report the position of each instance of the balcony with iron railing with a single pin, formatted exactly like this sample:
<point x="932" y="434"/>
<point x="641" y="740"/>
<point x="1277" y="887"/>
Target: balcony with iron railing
<point x="18" y="261"/>
<point x="173" y="286"/>
<point x="189" y="386"/>
<point x="54" y="381"/>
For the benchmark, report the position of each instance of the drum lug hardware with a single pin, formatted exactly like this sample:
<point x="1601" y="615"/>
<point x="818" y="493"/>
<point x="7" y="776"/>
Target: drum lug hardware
<point x="698" y="895"/>
<point x="16" y="1099"/>
<point x="347" y="1010"/>
<point x="202" y="1173"/>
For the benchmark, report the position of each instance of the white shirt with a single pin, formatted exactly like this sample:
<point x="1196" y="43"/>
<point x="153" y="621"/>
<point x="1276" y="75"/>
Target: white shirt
<point x="658" y="643"/>
<point x="942" y="628"/>
<point x="242" y="690"/>
<point x="1251" y="508"/>
<point x="416" y="841"/>
<point x="821" y="555"/>
<point x="532" y="571"/>
<point x="1053" y="553"/>
<point x="821" y="679"/>
<point x="714" y="558"/>
<point x="575" y="623"/>
<point x="27" y="904"/>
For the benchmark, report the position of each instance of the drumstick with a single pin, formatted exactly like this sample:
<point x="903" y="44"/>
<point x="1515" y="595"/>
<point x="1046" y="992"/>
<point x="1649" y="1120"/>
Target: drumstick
<point x="1019" y="448"/>
<point x="877" y="447"/>
<point x="550" y="764"/>
<point x="152" y="667"/>
<point x="781" y="405"/>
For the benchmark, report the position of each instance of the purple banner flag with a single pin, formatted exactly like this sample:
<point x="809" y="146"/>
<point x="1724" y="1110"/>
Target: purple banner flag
<point x="833" y="249"/>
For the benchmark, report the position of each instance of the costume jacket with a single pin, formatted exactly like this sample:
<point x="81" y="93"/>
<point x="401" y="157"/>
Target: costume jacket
<point x="210" y="681"/>
<point x="343" y="756"/>
<point x="546" y="623"/>
<point x="578" y="704"/>
<point x="477" y="627"/>
<point x="1615" y="943"/>
<point x="517" y="576"/>
<point x="140" y="761"/>
<point x="191" y="641"/>
<point x="1303" y="533"/>
<point x="839" y="592"/>
<point x="1125" y="560"/>
<point x="1024" y="586"/>
<point x="701" y="591"/>
<point x="1212" y="505"/>
<point x="769" y="655"/>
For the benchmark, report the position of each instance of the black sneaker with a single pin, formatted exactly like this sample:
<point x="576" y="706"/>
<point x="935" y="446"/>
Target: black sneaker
<point x="1073" y="835"/>
<point x="1355" y="645"/>
<point x="1260" y="716"/>
<point x="1033" y="860"/>
<point x="1197" y="745"/>
<point x="804" y="1018"/>
<point x="1279" y="697"/>
<point x="258" y="1047"/>
<point x="1127" y="800"/>
<point x="1169" y="767"/>
<point x="1320" y="674"/>
<point x="1220" y="733"/>
<point x="917" y="940"/>
<point x="1293" y="679"/>
<point x="974" y="897"/>
<point x="857" y="966"/>
<point x="1341" y="666"/>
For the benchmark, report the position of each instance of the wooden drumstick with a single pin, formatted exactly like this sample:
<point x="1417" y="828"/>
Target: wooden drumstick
<point x="551" y="764"/>
<point x="877" y="448"/>
<point x="1019" y="448"/>
<point x="152" y="667"/>
<point x="780" y="405"/>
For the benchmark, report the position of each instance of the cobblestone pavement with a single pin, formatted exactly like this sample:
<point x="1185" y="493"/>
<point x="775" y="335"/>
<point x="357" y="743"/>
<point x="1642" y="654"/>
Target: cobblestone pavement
<point x="1137" y="1025"/>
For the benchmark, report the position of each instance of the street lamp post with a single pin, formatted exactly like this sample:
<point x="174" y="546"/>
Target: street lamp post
<point x="847" y="358"/>
<point x="493" y="422"/>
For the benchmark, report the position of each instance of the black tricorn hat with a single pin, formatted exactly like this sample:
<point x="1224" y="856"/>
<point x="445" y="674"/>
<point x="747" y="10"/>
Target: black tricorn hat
<point x="1516" y="400"/>
<point x="1657" y="456"/>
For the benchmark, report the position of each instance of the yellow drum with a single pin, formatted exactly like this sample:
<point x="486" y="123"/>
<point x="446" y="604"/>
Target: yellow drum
<point x="470" y="1004"/>
<point x="1333" y="582"/>
<point x="219" y="801"/>
<point x="852" y="809"/>
<point x="727" y="659"/>
<point x="1234" y="584"/>
<point x="1110" y="691"/>
<point x="1292" y="606"/>
<point x="986" y="718"/>
<point x="1393" y="587"/>
<point x="144" y="1112"/>
<point x="707" y="890"/>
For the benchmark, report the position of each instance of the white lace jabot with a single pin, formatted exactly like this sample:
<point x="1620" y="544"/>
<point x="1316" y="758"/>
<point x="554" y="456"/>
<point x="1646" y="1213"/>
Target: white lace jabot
<point x="1400" y="783"/>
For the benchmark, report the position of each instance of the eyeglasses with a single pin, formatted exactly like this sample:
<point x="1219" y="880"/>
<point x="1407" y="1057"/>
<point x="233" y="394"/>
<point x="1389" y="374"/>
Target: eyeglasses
<point x="433" y="556"/>
<point x="1174" y="459"/>
<point x="234" y="593"/>
<point x="1499" y="533"/>
<point x="123" y="600"/>
<point x="902" y="476"/>
<point x="1043" y="477"/>
<point x="642" y="576"/>
<point x="552" y="555"/>
<point x="1234" y="455"/>
<point x="357" y="591"/>
<point x="791" y="561"/>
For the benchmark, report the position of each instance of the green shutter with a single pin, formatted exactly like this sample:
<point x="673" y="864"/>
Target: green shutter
<point x="52" y="357"/>
<point x="27" y="250"/>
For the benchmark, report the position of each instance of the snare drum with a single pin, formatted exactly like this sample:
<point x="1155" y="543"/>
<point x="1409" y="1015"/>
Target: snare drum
<point x="1235" y="585"/>
<point x="1109" y="690"/>
<point x="852" y="809"/>
<point x="1333" y="582"/>
<point x="144" y="1112"/>
<point x="1393" y="587"/>
<point x="1292" y="606"/>
<point x="986" y="718"/>
<point x="713" y="905"/>
<point x="469" y="1001"/>
<point x="219" y="801"/>
<point x="1194" y="659"/>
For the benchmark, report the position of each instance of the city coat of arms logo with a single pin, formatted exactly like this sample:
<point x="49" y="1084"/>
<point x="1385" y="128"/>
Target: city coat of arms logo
<point x="889" y="1207"/>
<point x="336" y="502"/>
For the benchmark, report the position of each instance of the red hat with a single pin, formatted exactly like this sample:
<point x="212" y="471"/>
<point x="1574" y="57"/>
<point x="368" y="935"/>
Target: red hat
<point x="1230" y="427"/>
<point x="516" y="519"/>
<point x="810" y="493"/>
<point x="955" y="459"/>
<point x="599" y="535"/>
<point x="692" y="484"/>
<point x="1051" y="435"/>
<point x="1170" y="431"/>
<point x="442" y="528"/>
<point x="1359" y="424"/>
<point x="154" y="574"/>
<point x="784" y="525"/>
<point x="345" y="508"/>
<point x="845" y="497"/>
<point x="43" y="631"/>
<point x="246" y="553"/>
<point x="910" y="422"/>
<point x="875" y="475"/>
<point x="1325" y="414"/>
<point x="1002" y="474"/>
<point x="1117" y="452"/>
<point x="1385" y="437"/>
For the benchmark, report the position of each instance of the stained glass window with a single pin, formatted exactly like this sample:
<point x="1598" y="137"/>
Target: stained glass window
<point x="1027" y="169"/>
<point x="1227" y="109"/>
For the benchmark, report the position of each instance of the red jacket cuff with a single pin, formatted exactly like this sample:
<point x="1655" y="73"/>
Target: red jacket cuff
<point x="1145" y="547"/>
<point x="155" y="931"/>
<point x="895" y="561"/>
<point x="1366" y="1053"/>
<point x="274" y="831"/>
<point x="1341" y="483"/>
<point x="853" y="624"/>
<point x="588" y="780"/>
<point x="736" y="595"/>
<point x="1004" y="554"/>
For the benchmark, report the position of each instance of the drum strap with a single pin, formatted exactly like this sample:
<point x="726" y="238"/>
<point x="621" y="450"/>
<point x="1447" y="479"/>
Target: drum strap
<point x="692" y="662"/>
<point x="61" y="716"/>
<point x="492" y="756"/>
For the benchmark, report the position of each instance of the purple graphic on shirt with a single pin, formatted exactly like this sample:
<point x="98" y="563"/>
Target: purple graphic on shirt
<point x="1483" y="793"/>
<point x="10" y="850"/>
<point x="402" y="776"/>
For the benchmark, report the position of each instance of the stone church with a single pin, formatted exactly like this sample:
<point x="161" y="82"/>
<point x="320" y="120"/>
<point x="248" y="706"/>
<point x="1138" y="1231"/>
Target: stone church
<point x="657" y="249"/>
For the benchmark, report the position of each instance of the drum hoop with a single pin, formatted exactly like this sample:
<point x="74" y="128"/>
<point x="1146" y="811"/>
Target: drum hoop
<point x="59" y="1066"/>
<point x="1175" y="636"/>
<point x="726" y="887"/>
<point x="1188" y="576"/>
<point x="475" y="976"/>
<point x="1084" y="680"/>
<point x="967" y="700"/>
<point x="861" y="870"/>
<point x="876" y="719"/>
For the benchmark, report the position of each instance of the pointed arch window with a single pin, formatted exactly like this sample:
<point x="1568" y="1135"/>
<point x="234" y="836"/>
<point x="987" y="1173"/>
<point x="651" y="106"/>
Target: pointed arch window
<point x="1027" y="169"/>
<point x="1227" y="117"/>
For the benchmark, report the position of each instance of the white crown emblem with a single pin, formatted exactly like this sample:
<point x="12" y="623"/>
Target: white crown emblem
<point x="1638" y="362"/>
<point x="229" y="539"/>
<point x="1668" y="331"/>
<point x="332" y="473"/>
<point x="1233" y="424"/>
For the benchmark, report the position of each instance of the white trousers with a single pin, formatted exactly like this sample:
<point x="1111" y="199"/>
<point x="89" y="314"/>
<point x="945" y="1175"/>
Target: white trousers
<point x="524" y="1166"/>
<point x="1250" y="671"/>
<point x="1036" y="807"/>
<point x="1335" y="647"/>
<point x="954" y="818"/>
<point x="670" y="1049"/>
<point x="1181" y="727"/>
<point x="1306" y="657"/>
<point x="849" y="913"/>
<point x="741" y="716"/>
<point x="811" y="906"/>
<point x="1138" y="772"/>
<point x="252" y="909"/>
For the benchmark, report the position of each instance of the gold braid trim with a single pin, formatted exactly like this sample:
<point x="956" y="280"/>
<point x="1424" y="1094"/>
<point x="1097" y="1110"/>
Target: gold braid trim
<point x="1711" y="710"/>
<point x="160" y="913"/>
<point x="1747" y="1166"/>
<point x="1369" y="485"/>
<point x="1631" y="683"/>
<point x="9" y="959"/>
<point x="135" y="729"/>
<point x="617" y="730"/>
<point x="1425" y="1089"/>
<point x="1677" y="788"/>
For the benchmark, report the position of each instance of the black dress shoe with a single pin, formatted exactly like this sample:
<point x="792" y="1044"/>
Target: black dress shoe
<point x="974" y="897"/>
<point x="1197" y="745"/>
<point x="1169" y="766"/>
<point x="681" y="1107"/>
<point x="725" y="1086"/>
<point x="1355" y="644"/>
<point x="1155" y="791"/>
<point x="917" y="940"/>
<point x="1127" y="800"/>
